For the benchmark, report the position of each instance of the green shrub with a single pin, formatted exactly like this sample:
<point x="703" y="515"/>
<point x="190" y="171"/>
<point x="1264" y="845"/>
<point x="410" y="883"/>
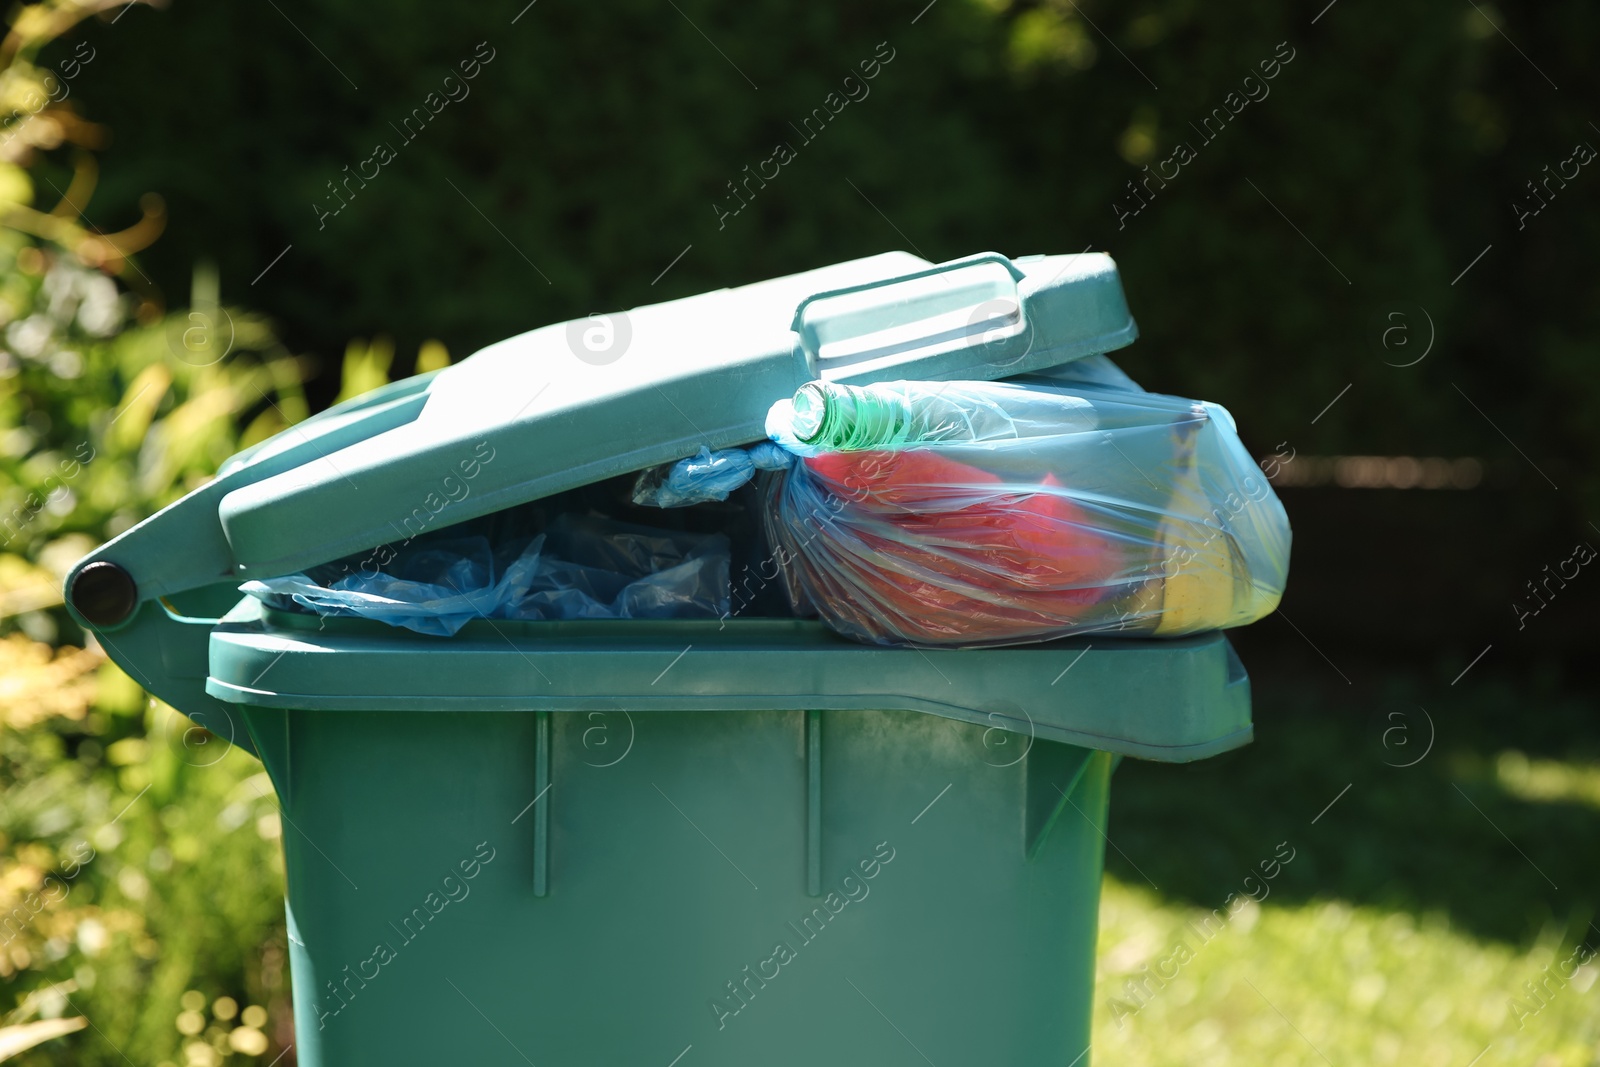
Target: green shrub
<point x="140" y="877"/>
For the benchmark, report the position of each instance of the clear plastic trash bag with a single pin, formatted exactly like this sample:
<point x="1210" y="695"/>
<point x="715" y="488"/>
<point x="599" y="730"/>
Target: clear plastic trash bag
<point x="579" y="568"/>
<point x="990" y="513"/>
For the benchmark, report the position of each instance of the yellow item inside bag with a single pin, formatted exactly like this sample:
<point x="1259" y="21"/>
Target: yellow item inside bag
<point x="1205" y="575"/>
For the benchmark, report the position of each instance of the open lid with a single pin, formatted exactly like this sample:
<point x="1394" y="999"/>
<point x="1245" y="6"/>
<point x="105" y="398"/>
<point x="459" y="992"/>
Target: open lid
<point x="577" y="402"/>
<point x="570" y="404"/>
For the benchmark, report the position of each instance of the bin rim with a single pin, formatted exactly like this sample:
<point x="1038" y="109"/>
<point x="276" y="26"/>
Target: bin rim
<point x="1171" y="700"/>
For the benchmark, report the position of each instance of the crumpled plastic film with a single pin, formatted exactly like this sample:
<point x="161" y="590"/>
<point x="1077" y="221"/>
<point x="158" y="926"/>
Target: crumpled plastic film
<point x="581" y="567"/>
<point x="992" y="513"/>
<point x="706" y="477"/>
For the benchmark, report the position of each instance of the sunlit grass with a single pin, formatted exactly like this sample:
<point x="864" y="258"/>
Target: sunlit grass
<point x="1308" y="983"/>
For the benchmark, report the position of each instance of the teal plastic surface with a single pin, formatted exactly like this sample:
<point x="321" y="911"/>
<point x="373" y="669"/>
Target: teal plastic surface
<point x="703" y="889"/>
<point x="745" y="842"/>
<point x="1174" y="700"/>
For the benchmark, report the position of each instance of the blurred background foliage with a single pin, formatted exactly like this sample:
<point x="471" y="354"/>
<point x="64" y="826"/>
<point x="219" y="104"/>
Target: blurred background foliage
<point x="591" y="151"/>
<point x="167" y="179"/>
<point x="138" y="864"/>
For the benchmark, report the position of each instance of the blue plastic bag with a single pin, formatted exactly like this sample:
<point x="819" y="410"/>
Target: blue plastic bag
<point x="594" y="568"/>
<point x="579" y="568"/>
<point x="709" y="476"/>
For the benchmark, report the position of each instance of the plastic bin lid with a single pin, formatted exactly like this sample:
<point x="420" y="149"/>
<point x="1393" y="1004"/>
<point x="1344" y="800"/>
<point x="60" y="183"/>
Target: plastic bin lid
<point x="585" y="400"/>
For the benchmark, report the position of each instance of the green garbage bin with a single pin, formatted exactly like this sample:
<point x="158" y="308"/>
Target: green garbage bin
<point x="675" y="842"/>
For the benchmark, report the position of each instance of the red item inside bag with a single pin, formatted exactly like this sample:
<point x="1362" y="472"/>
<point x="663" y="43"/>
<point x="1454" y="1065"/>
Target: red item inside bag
<point x="934" y="550"/>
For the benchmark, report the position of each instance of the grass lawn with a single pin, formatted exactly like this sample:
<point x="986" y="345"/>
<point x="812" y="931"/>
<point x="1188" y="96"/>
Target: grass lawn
<point x="1418" y="904"/>
<point x="1322" y="981"/>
